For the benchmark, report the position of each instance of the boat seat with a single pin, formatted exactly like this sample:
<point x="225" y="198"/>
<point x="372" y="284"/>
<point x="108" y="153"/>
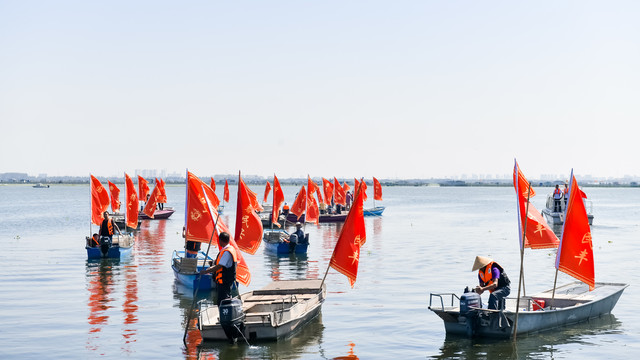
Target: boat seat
<point x="188" y="265"/>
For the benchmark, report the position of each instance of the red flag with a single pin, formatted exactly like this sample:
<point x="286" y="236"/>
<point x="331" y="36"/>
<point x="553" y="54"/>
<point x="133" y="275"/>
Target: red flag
<point x="213" y="184"/>
<point x="132" y="203"/>
<point x="340" y="193"/>
<point x="248" y="224"/>
<point x="226" y="191"/>
<point x="299" y="205"/>
<point x="199" y="220"/>
<point x="115" y="196"/>
<point x="313" y="212"/>
<point x="377" y="189"/>
<point x="575" y="254"/>
<point x="364" y="189"/>
<point x="267" y="189"/>
<point x="356" y="184"/>
<point x="312" y="187"/>
<point x="278" y="199"/>
<point x="162" y="194"/>
<point x="539" y="235"/>
<point x="327" y="186"/>
<point x="346" y="254"/>
<point x="346" y="187"/>
<point x="99" y="201"/>
<point x="152" y="203"/>
<point x="143" y="188"/>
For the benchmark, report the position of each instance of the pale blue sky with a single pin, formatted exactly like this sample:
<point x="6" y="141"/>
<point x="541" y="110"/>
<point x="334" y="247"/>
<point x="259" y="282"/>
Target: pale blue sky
<point x="392" y="89"/>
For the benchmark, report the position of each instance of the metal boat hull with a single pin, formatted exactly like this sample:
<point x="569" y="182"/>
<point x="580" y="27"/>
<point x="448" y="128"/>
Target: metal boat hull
<point x="571" y="308"/>
<point x="158" y="215"/>
<point x="188" y="274"/>
<point x="375" y="211"/>
<point x="115" y="251"/>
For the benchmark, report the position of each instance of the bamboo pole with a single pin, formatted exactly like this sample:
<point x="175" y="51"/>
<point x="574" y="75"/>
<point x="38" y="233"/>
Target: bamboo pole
<point x="521" y="278"/>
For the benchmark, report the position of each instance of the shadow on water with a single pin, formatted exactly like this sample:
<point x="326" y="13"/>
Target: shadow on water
<point x="544" y="345"/>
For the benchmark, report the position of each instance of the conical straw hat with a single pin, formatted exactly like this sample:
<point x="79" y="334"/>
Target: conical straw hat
<point x="481" y="262"/>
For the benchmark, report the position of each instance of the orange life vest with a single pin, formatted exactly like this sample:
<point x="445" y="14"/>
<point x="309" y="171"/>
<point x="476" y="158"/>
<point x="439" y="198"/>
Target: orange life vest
<point x="223" y="274"/>
<point x="486" y="276"/>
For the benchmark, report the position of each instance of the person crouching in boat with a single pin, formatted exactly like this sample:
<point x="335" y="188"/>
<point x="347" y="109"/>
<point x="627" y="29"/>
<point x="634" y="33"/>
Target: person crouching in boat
<point x="106" y="228"/>
<point x="224" y="268"/>
<point x="493" y="278"/>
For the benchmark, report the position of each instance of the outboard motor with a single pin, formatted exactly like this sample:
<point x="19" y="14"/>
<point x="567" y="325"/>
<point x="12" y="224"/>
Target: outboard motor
<point x="105" y="244"/>
<point x="232" y="318"/>
<point x="468" y="300"/>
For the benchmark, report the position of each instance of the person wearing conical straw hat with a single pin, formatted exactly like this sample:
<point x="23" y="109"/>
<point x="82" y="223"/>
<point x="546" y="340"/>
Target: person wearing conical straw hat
<point x="492" y="278"/>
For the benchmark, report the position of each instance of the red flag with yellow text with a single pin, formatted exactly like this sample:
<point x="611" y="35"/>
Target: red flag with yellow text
<point x="115" y="196"/>
<point x="339" y="192"/>
<point x="346" y="255"/>
<point x="300" y="204"/>
<point x="312" y="210"/>
<point x="243" y="275"/>
<point x="346" y="186"/>
<point x="162" y="193"/>
<point x="132" y="202"/>
<point x="278" y="199"/>
<point x="248" y="234"/>
<point x="199" y="220"/>
<point x="99" y="200"/>
<point x="327" y="186"/>
<point x="143" y="188"/>
<point x="151" y="204"/>
<point x="539" y="235"/>
<point x="377" y="189"/>
<point x="575" y="254"/>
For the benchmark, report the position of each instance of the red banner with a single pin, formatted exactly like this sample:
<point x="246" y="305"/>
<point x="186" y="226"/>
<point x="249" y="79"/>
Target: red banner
<point x="346" y="255"/>
<point x="199" y="220"/>
<point x="377" y="189"/>
<point x="327" y="186"/>
<point x="278" y="199"/>
<point x="313" y="212"/>
<point x="539" y="235"/>
<point x="575" y="254"/>
<point x="151" y="204"/>
<point x="248" y="224"/>
<point x="162" y="194"/>
<point x="132" y="203"/>
<point x="267" y="189"/>
<point x="226" y="191"/>
<point x="115" y="197"/>
<point x="312" y="188"/>
<point x="99" y="201"/>
<point x="340" y="193"/>
<point x="213" y="184"/>
<point x="143" y="188"/>
<point x="300" y="204"/>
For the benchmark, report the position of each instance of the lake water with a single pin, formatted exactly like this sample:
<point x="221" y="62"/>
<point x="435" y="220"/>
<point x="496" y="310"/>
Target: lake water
<point x="56" y="304"/>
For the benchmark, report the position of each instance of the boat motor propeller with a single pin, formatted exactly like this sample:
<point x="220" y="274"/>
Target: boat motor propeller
<point x="105" y="244"/>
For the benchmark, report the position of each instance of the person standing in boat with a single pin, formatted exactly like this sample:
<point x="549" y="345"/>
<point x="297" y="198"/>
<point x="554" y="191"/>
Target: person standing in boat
<point x="566" y="194"/>
<point x="191" y="248"/>
<point x="349" y="199"/>
<point x="492" y="278"/>
<point x="224" y="268"/>
<point x="557" y="197"/>
<point x="107" y="225"/>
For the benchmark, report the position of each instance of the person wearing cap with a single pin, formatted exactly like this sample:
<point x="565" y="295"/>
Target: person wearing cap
<point x="492" y="278"/>
<point x="299" y="233"/>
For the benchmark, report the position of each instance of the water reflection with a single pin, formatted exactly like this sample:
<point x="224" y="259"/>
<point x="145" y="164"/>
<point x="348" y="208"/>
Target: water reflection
<point x="535" y="346"/>
<point x="104" y="278"/>
<point x="150" y="248"/>
<point x="184" y="298"/>
<point x="289" y="266"/>
<point x="350" y="355"/>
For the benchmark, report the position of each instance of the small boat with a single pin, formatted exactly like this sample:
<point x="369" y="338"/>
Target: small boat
<point x="322" y="218"/>
<point x="158" y="215"/>
<point x="120" y="245"/>
<point x="41" y="186"/>
<point x="573" y="303"/>
<point x="374" y="211"/>
<point x="277" y="242"/>
<point x="557" y="217"/>
<point x="276" y="311"/>
<point x="186" y="270"/>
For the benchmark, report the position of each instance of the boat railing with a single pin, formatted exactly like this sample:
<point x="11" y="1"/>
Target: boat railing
<point x="440" y="296"/>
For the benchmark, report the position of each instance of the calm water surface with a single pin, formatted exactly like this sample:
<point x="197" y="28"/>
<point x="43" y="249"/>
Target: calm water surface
<point x="56" y="304"/>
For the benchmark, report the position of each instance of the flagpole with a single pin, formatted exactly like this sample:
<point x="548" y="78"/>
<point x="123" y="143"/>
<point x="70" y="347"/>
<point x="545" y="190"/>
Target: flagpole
<point x="521" y="279"/>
